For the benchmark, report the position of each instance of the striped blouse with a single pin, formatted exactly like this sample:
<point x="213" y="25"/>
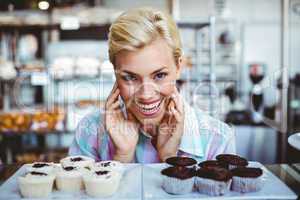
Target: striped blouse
<point x="204" y="138"/>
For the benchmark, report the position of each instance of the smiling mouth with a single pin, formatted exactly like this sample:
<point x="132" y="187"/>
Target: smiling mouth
<point x="149" y="109"/>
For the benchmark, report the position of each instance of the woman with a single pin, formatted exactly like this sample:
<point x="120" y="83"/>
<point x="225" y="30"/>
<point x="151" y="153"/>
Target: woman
<point x="145" y="119"/>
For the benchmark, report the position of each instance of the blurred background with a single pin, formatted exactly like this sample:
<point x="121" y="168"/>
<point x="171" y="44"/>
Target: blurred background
<point x="241" y="65"/>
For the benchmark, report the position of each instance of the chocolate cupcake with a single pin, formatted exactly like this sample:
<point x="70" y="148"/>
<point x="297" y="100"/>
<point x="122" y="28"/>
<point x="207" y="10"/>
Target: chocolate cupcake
<point x="181" y="161"/>
<point x="247" y="179"/>
<point x="178" y="180"/>
<point x="212" y="164"/>
<point x="213" y="181"/>
<point x="232" y="161"/>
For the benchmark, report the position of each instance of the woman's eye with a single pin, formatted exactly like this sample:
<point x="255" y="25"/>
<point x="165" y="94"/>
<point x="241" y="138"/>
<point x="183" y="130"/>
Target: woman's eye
<point x="128" y="77"/>
<point x="160" y="76"/>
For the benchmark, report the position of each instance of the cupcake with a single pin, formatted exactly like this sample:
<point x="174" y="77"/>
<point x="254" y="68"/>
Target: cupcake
<point x="211" y="164"/>
<point x="181" y="161"/>
<point x="178" y="180"/>
<point x="213" y="181"/>
<point x="232" y="161"/>
<point x="43" y="167"/>
<point x="101" y="183"/>
<point x="247" y="179"/>
<point x="110" y="165"/>
<point x="69" y="179"/>
<point x="77" y="161"/>
<point x="36" y="184"/>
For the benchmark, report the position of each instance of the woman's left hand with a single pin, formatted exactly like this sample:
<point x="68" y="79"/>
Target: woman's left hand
<point x="171" y="128"/>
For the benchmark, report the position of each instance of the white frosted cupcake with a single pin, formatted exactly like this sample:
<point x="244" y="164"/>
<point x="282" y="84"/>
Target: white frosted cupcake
<point x="77" y="161"/>
<point x="69" y="179"/>
<point x="213" y="181"/>
<point x="43" y="167"/>
<point x="178" y="180"/>
<point x="36" y="184"/>
<point x="110" y="165"/>
<point x="102" y="183"/>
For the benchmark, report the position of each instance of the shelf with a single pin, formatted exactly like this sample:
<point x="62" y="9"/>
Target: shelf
<point x="220" y="80"/>
<point x="28" y="27"/>
<point x="192" y="25"/>
<point x="12" y="133"/>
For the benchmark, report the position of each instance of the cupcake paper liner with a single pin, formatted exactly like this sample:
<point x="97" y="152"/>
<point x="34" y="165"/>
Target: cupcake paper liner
<point x="212" y="187"/>
<point x="69" y="184"/>
<point x="177" y="186"/>
<point x="101" y="188"/>
<point x="36" y="189"/>
<point x="243" y="185"/>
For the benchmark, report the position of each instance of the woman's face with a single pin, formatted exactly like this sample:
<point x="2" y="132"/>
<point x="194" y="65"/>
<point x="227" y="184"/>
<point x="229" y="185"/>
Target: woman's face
<point x="146" y="79"/>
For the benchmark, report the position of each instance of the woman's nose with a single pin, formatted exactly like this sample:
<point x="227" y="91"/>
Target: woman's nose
<point x="147" y="90"/>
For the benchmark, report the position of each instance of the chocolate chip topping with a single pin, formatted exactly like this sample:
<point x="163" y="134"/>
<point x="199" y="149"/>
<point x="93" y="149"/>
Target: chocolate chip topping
<point x="70" y="168"/>
<point x="232" y="159"/>
<point x="181" y="161"/>
<point x="218" y="174"/>
<point x="40" y="165"/>
<point x="106" y="164"/>
<point x="100" y="173"/>
<point x="178" y="172"/>
<point x="212" y="164"/>
<point x="247" y="172"/>
<point x="38" y="173"/>
<point x="76" y="159"/>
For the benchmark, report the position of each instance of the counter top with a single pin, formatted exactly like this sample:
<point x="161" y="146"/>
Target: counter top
<point x="288" y="173"/>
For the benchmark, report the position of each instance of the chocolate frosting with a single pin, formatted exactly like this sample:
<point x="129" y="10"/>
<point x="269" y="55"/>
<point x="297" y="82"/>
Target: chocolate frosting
<point x="232" y="159"/>
<point x="40" y="165"/>
<point x="101" y="172"/>
<point x="217" y="174"/>
<point x="180" y="161"/>
<point x="70" y="168"/>
<point x="106" y="164"/>
<point x="178" y="172"/>
<point x="76" y="159"/>
<point x="212" y="164"/>
<point x="38" y="173"/>
<point x="247" y="172"/>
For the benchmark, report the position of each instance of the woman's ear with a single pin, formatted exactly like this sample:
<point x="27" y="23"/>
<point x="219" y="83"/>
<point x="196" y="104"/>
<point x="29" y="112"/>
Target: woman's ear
<point x="178" y="67"/>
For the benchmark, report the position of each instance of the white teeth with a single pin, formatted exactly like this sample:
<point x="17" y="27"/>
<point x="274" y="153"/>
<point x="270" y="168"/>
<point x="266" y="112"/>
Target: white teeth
<point x="148" y="106"/>
<point x="149" y="109"/>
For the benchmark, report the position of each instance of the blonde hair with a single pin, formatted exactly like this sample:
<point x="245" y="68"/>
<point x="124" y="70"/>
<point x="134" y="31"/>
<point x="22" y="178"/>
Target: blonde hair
<point x="138" y="27"/>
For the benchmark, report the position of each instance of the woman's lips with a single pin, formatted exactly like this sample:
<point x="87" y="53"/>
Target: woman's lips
<point x="149" y="109"/>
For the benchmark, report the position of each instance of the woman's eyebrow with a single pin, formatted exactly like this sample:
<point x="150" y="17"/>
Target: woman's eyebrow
<point x="129" y="72"/>
<point x="156" y="71"/>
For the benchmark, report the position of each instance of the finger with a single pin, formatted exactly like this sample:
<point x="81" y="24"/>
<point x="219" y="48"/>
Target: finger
<point x="114" y="88"/>
<point x="177" y="115"/>
<point x="111" y="99"/>
<point x="170" y="104"/>
<point x="115" y="105"/>
<point x="131" y="117"/>
<point x="178" y="102"/>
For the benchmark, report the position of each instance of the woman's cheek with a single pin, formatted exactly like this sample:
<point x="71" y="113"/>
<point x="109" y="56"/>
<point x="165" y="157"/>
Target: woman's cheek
<point x="167" y="88"/>
<point x="126" y="91"/>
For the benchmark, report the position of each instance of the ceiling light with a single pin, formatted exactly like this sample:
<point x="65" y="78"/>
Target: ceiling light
<point x="43" y="5"/>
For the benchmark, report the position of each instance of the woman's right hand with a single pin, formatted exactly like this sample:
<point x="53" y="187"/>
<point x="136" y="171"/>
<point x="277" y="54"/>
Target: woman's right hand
<point x="123" y="132"/>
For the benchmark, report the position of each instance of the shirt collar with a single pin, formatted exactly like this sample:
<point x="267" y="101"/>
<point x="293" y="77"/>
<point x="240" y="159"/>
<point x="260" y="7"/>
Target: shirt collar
<point x="190" y="140"/>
